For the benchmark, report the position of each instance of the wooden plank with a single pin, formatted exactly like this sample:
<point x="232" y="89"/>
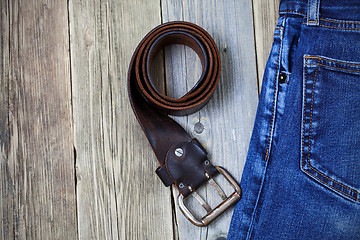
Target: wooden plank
<point x="37" y="164"/>
<point x="265" y="19"/>
<point x="102" y="38"/>
<point x="119" y="195"/>
<point x="228" y="118"/>
<point x="6" y="184"/>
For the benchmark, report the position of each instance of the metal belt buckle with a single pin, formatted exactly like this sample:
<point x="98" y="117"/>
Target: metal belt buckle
<point x="212" y="214"/>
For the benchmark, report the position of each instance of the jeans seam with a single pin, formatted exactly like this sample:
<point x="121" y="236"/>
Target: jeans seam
<point x="274" y="100"/>
<point x="330" y="60"/>
<point x="251" y="225"/>
<point x="335" y="21"/>
<point x="292" y="12"/>
<point x="336" y="27"/>
<point x="338" y="68"/>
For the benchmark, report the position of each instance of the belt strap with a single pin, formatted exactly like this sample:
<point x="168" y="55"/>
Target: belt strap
<point x="183" y="160"/>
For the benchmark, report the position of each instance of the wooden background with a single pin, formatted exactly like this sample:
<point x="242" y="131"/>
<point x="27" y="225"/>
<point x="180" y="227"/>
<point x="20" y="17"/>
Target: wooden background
<point x="74" y="161"/>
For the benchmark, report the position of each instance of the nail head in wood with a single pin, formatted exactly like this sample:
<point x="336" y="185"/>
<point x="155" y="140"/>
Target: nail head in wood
<point x="198" y="127"/>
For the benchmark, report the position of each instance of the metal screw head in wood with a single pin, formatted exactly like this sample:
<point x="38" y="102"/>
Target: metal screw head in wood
<point x="179" y="152"/>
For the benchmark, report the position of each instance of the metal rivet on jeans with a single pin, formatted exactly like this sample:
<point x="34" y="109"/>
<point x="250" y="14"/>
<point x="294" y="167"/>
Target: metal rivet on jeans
<point x="282" y="78"/>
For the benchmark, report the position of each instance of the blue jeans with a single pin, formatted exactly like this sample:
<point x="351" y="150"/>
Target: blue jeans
<point x="302" y="175"/>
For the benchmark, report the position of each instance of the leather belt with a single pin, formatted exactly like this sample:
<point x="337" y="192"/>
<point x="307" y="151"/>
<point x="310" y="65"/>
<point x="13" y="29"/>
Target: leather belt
<point x="183" y="160"/>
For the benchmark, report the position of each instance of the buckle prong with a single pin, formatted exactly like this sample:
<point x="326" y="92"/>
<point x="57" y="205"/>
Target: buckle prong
<point x="200" y="200"/>
<point x="218" y="189"/>
<point x="216" y="186"/>
<point x="212" y="214"/>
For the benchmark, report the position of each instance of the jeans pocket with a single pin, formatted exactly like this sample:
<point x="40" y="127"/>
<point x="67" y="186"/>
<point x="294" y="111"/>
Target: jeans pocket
<point x="330" y="136"/>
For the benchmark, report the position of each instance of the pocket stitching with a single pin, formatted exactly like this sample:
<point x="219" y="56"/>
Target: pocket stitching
<point x="338" y="68"/>
<point x="349" y="28"/>
<point x="327" y="59"/>
<point x="303" y="137"/>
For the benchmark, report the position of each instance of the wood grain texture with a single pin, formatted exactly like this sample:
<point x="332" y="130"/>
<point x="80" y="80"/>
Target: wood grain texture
<point x="265" y="19"/>
<point x="6" y="193"/>
<point x="119" y="195"/>
<point x="37" y="166"/>
<point x="228" y="117"/>
<point x="64" y="102"/>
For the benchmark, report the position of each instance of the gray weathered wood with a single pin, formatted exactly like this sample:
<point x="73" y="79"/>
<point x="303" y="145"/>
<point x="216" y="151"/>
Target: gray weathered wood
<point x="119" y="195"/>
<point x="37" y="190"/>
<point x="6" y="193"/>
<point x="265" y="19"/>
<point x="228" y="118"/>
<point x="65" y="102"/>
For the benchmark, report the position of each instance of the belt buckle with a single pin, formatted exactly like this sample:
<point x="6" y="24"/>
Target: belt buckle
<point x="212" y="214"/>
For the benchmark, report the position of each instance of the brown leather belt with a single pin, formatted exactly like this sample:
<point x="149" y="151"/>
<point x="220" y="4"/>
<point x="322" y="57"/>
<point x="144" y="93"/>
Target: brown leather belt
<point x="183" y="160"/>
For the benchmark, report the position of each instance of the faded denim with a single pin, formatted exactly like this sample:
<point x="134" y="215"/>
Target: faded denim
<point x="302" y="174"/>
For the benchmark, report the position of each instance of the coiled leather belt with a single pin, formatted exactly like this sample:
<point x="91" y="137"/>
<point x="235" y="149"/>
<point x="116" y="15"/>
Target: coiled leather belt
<point x="183" y="160"/>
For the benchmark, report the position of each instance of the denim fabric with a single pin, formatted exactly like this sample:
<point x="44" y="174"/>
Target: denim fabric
<point x="302" y="175"/>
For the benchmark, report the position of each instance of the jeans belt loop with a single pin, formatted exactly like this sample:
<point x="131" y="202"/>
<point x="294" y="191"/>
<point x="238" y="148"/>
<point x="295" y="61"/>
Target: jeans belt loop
<point x="312" y="18"/>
